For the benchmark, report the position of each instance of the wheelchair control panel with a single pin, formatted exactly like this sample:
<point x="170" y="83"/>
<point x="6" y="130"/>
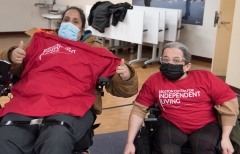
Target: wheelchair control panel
<point x="151" y="122"/>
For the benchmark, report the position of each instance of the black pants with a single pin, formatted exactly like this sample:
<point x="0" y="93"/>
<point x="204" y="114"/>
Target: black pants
<point x="147" y="2"/>
<point x="54" y="139"/>
<point x="169" y="139"/>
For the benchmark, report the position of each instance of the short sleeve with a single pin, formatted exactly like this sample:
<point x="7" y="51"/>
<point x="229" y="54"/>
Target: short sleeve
<point x="219" y="90"/>
<point x="110" y="65"/>
<point x="146" y="94"/>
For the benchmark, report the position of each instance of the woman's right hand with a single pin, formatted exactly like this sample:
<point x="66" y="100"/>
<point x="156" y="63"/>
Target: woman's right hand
<point x="129" y="149"/>
<point x="18" y="54"/>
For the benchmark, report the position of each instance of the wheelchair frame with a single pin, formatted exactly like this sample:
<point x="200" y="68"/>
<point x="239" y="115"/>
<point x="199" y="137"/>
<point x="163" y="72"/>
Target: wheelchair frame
<point x="151" y="125"/>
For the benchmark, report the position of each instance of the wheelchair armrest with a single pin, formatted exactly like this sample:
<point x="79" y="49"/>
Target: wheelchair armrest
<point x="102" y="82"/>
<point x="151" y="122"/>
<point x="154" y="111"/>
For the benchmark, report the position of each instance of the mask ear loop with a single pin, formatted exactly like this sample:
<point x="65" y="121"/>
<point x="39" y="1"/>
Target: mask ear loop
<point x="81" y="35"/>
<point x="185" y="65"/>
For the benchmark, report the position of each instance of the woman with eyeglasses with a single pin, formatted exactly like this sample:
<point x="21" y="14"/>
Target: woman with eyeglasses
<point x="187" y="100"/>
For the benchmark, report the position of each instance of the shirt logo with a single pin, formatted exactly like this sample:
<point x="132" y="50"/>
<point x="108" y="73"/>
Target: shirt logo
<point x="56" y="49"/>
<point x="173" y="97"/>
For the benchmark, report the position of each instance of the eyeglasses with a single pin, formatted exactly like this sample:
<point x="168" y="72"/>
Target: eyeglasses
<point x="175" y="60"/>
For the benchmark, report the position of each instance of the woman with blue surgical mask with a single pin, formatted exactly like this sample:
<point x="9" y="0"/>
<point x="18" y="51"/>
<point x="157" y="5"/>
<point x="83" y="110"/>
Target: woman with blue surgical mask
<point x="71" y="26"/>
<point x="57" y="139"/>
<point x="69" y="31"/>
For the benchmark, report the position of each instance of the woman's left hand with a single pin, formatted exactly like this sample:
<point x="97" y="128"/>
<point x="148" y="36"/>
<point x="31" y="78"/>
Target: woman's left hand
<point x="226" y="145"/>
<point x="123" y="71"/>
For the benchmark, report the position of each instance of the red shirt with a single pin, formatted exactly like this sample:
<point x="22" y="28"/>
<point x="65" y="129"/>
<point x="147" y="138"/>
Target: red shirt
<point x="187" y="103"/>
<point x="59" y="77"/>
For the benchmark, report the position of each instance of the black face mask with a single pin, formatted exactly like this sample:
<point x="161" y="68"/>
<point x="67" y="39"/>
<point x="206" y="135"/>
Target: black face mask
<point x="172" y="72"/>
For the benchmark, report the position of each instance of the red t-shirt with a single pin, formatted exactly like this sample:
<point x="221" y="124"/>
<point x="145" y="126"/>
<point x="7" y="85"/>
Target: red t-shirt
<point x="59" y="77"/>
<point x="187" y="103"/>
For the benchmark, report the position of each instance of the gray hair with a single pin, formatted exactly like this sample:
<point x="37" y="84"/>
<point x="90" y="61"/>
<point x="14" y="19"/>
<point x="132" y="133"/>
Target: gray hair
<point x="186" y="54"/>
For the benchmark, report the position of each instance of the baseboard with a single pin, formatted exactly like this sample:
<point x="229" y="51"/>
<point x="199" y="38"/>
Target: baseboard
<point x="223" y="78"/>
<point x="199" y="58"/>
<point x="208" y="60"/>
<point x="12" y="33"/>
<point x="236" y="90"/>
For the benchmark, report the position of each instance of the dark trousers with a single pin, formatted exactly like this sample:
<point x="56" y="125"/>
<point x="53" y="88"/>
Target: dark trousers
<point x="147" y="3"/>
<point x="188" y="4"/>
<point x="169" y="139"/>
<point x="52" y="139"/>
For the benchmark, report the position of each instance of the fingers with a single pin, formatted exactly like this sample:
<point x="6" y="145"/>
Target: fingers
<point x="21" y="45"/>
<point x="227" y="151"/>
<point x="18" y="54"/>
<point x="129" y="149"/>
<point x="224" y="151"/>
<point x="227" y="147"/>
<point x="122" y="63"/>
<point x="21" y="51"/>
<point x="123" y="71"/>
<point x="17" y="60"/>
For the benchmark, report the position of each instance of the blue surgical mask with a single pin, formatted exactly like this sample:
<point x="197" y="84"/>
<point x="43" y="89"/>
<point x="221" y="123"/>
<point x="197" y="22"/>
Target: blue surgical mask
<point x="68" y="31"/>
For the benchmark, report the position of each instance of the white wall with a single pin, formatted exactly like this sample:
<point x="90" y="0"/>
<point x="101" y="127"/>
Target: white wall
<point x="233" y="71"/>
<point x="199" y="39"/>
<point x="21" y="15"/>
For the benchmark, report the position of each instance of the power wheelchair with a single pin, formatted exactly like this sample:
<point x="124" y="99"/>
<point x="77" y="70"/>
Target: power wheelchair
<point x="144" y="140"/>
<point x="7" y="80"/>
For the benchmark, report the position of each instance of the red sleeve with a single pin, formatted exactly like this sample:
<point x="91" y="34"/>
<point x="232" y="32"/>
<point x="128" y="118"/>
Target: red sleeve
<point x="29" y="50"/>
<point x="110" y="66"/>
<point x="219" y="90"/>
<point x="146" y="94"/>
